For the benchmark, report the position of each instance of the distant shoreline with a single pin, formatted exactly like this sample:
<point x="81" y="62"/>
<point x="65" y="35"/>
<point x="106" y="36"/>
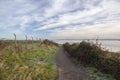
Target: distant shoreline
<point x="92" y="39"/>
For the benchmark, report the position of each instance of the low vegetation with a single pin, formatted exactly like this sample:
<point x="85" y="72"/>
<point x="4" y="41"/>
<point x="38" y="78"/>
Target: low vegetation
<point x="32" y="64"/>
<point x="48" y="42"/>
<point x="2" y="45"/>
<point x="91" y="55"/>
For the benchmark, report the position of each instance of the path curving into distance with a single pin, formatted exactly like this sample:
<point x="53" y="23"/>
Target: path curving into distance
<point x="67" y="70"/>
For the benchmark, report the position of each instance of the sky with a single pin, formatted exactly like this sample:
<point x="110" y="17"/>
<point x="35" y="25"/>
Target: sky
<point x="60" y="19"/>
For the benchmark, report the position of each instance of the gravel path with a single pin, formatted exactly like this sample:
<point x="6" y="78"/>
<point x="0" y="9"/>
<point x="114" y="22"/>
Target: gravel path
<point x="67" y="70"/>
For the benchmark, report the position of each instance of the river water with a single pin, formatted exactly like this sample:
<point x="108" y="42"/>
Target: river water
<point x="111" y="45"/>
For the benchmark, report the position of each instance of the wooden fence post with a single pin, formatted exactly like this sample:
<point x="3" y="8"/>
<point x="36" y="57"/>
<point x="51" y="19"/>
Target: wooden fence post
<point x="40" y="41"/>
<point x="32" y="42"/>
<point x="26" y="42"/>
<point x="15" y="39"/>
<point x="97" y="40"/>
<point x="36" y="40"/>
<point x="100" y="45"/>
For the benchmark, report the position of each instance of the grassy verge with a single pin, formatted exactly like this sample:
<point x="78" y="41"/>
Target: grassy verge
<point x="98" y="75"/>
<point x="34" y="64"/>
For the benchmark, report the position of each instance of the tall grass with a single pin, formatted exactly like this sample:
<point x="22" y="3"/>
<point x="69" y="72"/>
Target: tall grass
<point x="32" y="64"/>
<point x="92" y="55"/>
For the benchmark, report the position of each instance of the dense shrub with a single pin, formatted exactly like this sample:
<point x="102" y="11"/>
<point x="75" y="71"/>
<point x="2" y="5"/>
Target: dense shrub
<point x="48" y="42"/>
<point x="92" y="55"/>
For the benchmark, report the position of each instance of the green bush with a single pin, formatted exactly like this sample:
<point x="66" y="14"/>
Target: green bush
<point x="92" y="55"/>
<point x="48" y="42"/>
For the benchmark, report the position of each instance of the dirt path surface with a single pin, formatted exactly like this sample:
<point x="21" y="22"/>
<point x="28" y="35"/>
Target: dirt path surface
<point x="67" y="70"/>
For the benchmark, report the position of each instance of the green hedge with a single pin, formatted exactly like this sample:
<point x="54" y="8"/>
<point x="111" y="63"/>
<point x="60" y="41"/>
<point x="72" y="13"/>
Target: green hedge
<point x="92" y="55"/>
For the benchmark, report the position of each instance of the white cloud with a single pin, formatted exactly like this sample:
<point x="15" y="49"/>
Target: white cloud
<point x="60" y="6"/>
<point x="92" y="16"/>
<point x="24" y="21"/>
<point x="107" y="30"/>
<point x="90" y="13"/>
<point x="72" y="18"/>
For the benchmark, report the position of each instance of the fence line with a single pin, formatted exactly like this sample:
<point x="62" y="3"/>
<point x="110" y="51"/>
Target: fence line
<point x="18" y="48"/>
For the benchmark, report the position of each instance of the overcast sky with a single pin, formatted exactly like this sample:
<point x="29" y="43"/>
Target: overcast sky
<point x="60" y="19"/>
